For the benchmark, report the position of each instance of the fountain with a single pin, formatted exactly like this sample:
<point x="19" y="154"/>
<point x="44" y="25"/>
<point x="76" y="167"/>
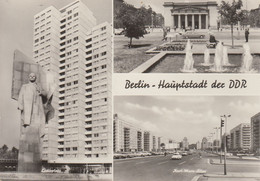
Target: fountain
<point x="218" y="60"/>
<point x="188" y="61"/>
<point x="247" y="60"/>
<point x="206" y="59"/>
<point x="225" y="57"/>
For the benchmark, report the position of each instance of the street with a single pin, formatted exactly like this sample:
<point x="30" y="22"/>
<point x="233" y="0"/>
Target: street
<point x="163" y="168"/>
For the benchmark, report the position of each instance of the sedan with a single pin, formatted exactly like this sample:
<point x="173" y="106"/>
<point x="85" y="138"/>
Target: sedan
<point x="176" y="156"/>
<point x="194" y="35"/>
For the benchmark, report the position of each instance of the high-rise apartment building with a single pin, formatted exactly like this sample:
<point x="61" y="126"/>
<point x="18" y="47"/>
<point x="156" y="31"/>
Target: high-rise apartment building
<point x="255" y="133"/>
<point x="69" y="44"/>
<point x="240" y="137"/>
<point x="127" y="137"/>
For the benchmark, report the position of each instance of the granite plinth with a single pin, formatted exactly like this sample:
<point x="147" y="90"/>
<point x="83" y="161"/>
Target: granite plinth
<point x="29" y="158"/>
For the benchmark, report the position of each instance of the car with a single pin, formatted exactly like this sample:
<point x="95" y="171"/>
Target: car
<point x="184" y="153"/>
<point x="119" y="31"/>
<point x="193" y="35"/>
<point x="176" y="156"/>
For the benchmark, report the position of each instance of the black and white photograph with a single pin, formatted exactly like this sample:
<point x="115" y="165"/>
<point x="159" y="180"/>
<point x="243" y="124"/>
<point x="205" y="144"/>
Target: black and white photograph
<point x="191" y="36"/>
<point x="186" y="138"/>
<point x="55" y="102"/>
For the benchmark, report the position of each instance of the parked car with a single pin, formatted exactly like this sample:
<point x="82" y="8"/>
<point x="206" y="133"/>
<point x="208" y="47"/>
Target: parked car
<point x="184" y="153"/>
<point x="176" y="156"/>
<point x="193" y="35"/>
<point x="119" y="31"/>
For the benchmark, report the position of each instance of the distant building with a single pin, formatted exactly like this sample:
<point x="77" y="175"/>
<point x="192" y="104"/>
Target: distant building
<point x="193" y="146"/>
<point x="255" y="133"/>
<point x="185" y="143"/>
<point x="198" y="145"/>
<point x="194" y="14"/>
<point x="204" y="144"/>
<point x="148" y="141"/>
<point x="241" y="137"/>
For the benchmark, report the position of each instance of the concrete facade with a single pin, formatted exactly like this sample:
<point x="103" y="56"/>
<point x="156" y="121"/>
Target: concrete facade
<point x="194" y="14"/>
<point x="127" y="137"/>
<point x="255" y="133"/>
<point x="70" y="44"/>
<point x="240" y="137"/>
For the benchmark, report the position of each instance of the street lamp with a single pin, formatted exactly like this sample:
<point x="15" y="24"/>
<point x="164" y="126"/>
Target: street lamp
<point x="217" y="143"/>
<point x="152" y="15"/>
<point x="225" y="143"/>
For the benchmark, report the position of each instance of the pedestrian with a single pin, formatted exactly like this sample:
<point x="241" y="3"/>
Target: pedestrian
<point x="174" y="28"/>
<point x="164" y="34"/>
<point x="246" y="34"/>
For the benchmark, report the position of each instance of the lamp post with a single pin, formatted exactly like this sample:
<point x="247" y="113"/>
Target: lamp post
<point x="152" y="21"/>
<point x="217" y="143"/>
<point x="225" y="143"/>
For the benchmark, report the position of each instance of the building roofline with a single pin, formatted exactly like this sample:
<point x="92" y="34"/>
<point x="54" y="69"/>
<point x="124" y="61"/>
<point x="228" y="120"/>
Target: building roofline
<point x="209" y="3"/>
<point x="256" y="115"/>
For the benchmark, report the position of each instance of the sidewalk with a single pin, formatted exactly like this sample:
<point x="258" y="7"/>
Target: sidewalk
<point x="53" y="176"/>
<point x="230" y="177"/>
<point x="235" y="162"/>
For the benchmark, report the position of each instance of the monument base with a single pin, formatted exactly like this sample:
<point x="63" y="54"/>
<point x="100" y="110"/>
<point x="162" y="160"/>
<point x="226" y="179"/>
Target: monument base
<point x="29" y="158"/>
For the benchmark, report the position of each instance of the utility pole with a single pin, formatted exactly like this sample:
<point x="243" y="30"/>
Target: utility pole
<point x="222" y="122"/>
<point x="225" y="144"/>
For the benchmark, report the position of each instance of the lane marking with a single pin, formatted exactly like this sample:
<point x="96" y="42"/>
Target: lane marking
<point x="196" y="178"/>
<point x="182" y="163"/>
<point x="142" y="162"/>
<point x="162" y="162"/>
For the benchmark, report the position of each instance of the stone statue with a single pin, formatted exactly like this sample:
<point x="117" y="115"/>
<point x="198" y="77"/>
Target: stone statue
<point x="31" y="103"/>
<point x="34" y="102"/>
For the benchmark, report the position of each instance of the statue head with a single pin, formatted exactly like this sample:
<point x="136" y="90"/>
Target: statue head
<point x="32" y="77"/>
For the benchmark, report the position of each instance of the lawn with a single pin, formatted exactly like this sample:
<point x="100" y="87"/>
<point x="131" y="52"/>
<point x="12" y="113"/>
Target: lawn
<point x="126" y="59"/>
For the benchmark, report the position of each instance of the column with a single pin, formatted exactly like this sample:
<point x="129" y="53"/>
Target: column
<point x="193" y="22"/>
<point x="199" y="21"/>
<point x="179" y="21"/>
<point x="173" y="23"/>
<point x="207" y="21"/>
<point x="186" y="20"/>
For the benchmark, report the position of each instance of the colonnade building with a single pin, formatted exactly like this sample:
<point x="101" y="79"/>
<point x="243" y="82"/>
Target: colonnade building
<point x="69" y="43"/>
<point x="131" y="138"/>
<point x="194" y="14"/>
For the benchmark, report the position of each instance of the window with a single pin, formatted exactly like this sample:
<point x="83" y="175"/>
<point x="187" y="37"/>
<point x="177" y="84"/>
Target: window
<point x="76" y="38"/>
<point x="75" y="148"/>
<point x="76" y="14"/>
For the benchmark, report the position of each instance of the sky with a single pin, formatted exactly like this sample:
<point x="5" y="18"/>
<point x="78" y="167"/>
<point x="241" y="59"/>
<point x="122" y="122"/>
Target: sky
<point x="16" y="32"/>
<point x="157" y="5"/>
<point x="177" y="117"/>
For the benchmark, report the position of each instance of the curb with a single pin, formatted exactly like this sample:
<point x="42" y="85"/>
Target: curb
<point x="229" y="176"/>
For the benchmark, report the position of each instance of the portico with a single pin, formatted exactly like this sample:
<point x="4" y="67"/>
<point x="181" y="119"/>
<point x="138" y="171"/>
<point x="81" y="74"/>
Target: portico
<point x="195" y="15"/>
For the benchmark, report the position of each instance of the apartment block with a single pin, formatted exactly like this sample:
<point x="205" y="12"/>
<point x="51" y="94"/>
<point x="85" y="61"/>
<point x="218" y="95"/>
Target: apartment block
<point x="255" y="136"/>
<point x="78" y="52"/>
<point x="127" y="137"/>
<point x="240" y="137"/>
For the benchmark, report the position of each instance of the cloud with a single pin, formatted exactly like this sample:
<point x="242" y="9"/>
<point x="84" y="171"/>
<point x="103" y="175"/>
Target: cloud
<point x="250" y="108"/>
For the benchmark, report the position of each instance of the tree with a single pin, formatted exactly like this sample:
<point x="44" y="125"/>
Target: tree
<point x="232" y="13"/>
<point x="162" y="146"/>
<point x="133" y="21"/>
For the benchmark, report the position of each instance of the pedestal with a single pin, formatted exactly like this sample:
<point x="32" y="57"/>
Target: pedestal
<point x="29" y="158"/>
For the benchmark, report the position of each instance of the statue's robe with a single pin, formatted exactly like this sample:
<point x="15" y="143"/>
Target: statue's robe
<point x="30" y="102"/>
